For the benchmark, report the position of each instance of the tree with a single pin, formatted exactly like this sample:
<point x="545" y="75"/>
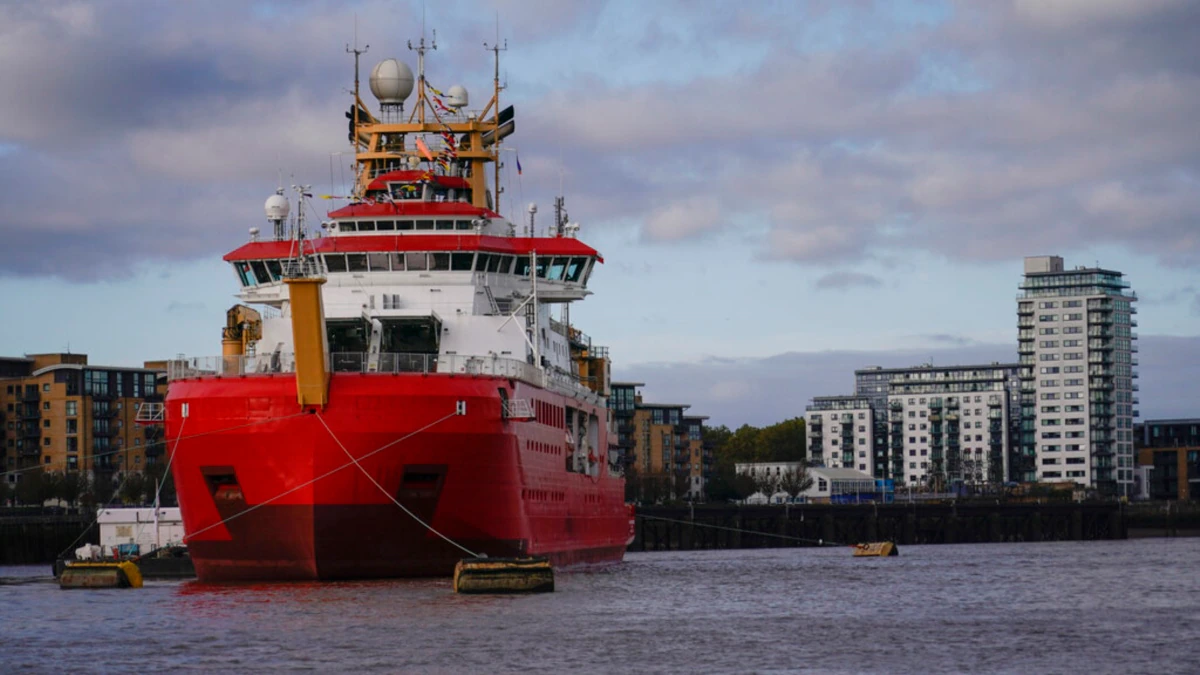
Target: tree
<point x="71" y="487"/>
<point x="766" y="483"/>
<point x="795" y="480"/>
<point x="633" y="484"/>
<point x="132" y="489"/>
<point x="783" y="442"/>
<point x="6" y="491"/>
<point x="29" y="487"/>
<point x="156" y="475"/>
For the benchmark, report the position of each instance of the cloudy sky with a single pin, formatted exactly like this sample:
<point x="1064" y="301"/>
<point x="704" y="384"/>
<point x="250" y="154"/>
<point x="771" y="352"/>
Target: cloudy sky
<point x="783" y="191"/>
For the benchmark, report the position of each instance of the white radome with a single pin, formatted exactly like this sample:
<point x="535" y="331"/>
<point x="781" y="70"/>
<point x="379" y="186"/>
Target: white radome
<point x="391" y="81"/>
<point x="456" y="96"/>
<point x="277" y="207"/>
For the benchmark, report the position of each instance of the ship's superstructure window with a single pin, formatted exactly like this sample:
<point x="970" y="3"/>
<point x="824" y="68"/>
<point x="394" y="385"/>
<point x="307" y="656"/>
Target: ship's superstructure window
<point x="461" y="262"/>
<point x="243" y="270"/>
<point x="416" y="262"/>
<point x="335" y="262"/>
<point x="356" y="262"/>
<point x="379" y="262"/>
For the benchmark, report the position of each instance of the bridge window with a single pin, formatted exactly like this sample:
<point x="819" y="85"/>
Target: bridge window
<point x="385" y="225"/>
<point x="243" y="271"/>
<point x="404" y="224"/>
<point x="348" y="226"/>
<point x="588" y="271"/>
<point x="522" y="267"/>
<point x="379" y="262"/>
<point x="482" y="261"/>
<point x="275" y="269"/>
<point x="461" y="262"/>
<point x="439" y="262"/>
<point x="445" y="224"/>
<point x="575" y="269"/>
<point x="260" y="272"/>
<point x="335" y="262"/>
<point x="416" y="262"/>
<point x="366" y="226"/>
<point x="493" y="264"/>
<point x="462" y="225"/>
<point x="557" y="267"/>
<point x="542" y="265"/>
<point x="356" y="262"/>
<point x="424" y="225"/>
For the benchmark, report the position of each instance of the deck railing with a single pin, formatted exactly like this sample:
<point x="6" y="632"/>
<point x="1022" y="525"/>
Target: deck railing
<point x="385" y="363"/>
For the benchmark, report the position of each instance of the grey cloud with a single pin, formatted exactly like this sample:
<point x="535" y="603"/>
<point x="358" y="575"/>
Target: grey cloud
<point x="844" y="280"/>
<point x="766" y="390"/>
<point x="840" y="152"/>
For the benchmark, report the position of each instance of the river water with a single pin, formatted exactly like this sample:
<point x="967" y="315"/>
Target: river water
<point x="1072" y="607"/>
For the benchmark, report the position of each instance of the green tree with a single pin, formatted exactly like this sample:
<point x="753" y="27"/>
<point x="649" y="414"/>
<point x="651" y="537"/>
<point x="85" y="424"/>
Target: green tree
<point x="29" y="487"/>
<point x="156" y="474"/>
<point x="71" y="487"/>
<point x="6" y="491"/>
<point x="783" y="442"/>
<point x="132" y="489"/>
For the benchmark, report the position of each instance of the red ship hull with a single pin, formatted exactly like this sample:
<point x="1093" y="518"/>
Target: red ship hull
<point x="269" y="491"/>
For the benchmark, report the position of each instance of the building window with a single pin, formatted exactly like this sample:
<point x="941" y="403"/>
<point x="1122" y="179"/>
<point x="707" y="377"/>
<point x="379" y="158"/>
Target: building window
<point x="45" y="386"/>
<point x="72" y="408"/>
<point x="45" y="405"/>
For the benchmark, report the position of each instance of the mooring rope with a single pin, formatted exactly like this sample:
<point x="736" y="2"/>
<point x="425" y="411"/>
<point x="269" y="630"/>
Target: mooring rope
<point x="324" y="475"/>
<point x="158" y="488"/>
<point x="178" y="439"/>
<point x="818" y="542"/>
<point x="390" y="496"/>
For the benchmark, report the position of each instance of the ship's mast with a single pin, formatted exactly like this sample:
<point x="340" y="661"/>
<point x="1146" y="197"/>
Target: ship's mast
<point x="420" y="49"/>
<point x="495" y="49"/>
<point x="357" y="101"/>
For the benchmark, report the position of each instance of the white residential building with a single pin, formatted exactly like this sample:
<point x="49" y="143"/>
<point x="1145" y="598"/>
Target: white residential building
<point x="841" y="433"/>
<point x="1077" y="350"/>
<point x="951" y="425"/>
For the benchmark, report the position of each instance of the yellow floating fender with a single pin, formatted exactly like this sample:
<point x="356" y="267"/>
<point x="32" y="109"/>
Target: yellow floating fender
<point x="876" y="549"/>
<point x="503" y="575"/>
<point x="122" y="574"/>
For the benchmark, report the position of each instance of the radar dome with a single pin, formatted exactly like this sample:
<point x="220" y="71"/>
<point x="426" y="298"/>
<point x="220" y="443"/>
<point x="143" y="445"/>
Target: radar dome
<point x="456" y="96"/>
<point x="391" y="81"/>
<point x="277" y="207"/>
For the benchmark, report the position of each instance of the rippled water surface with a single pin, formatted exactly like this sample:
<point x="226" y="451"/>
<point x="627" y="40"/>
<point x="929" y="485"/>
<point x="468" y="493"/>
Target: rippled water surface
<point x="1104" y="607"/>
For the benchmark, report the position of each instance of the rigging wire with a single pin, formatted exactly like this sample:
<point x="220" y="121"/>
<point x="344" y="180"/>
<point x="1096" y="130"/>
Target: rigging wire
<point x="392" y="497"/>
<point x="165" y="441"/>
<point x="324" y="475"/>
<point x="818" y="542"/>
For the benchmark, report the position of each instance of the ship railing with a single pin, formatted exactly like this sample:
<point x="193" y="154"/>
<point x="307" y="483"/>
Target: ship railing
<point x="384" y="363"/>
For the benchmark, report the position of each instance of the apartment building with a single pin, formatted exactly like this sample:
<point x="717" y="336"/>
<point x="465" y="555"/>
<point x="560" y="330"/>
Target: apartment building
<point x="841" y="434"/>
<point x="1078" y="360"/>
<point x="63" y="414"/>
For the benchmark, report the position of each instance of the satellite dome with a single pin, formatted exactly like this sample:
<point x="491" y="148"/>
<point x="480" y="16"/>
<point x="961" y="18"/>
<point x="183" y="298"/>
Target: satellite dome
<point x="456" y="96"/>
<point x="277" y="207"/>
<point x="391" y="81"/>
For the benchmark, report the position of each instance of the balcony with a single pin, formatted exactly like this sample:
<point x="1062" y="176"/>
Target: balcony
<point x="1105" y="385"/>
<point x="1101" y="345"/>
<point x="1025" y="323"/>
<point x="28" y="413"/>
<point x="816" y="423"/>
<point x="1024" y="348"/>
